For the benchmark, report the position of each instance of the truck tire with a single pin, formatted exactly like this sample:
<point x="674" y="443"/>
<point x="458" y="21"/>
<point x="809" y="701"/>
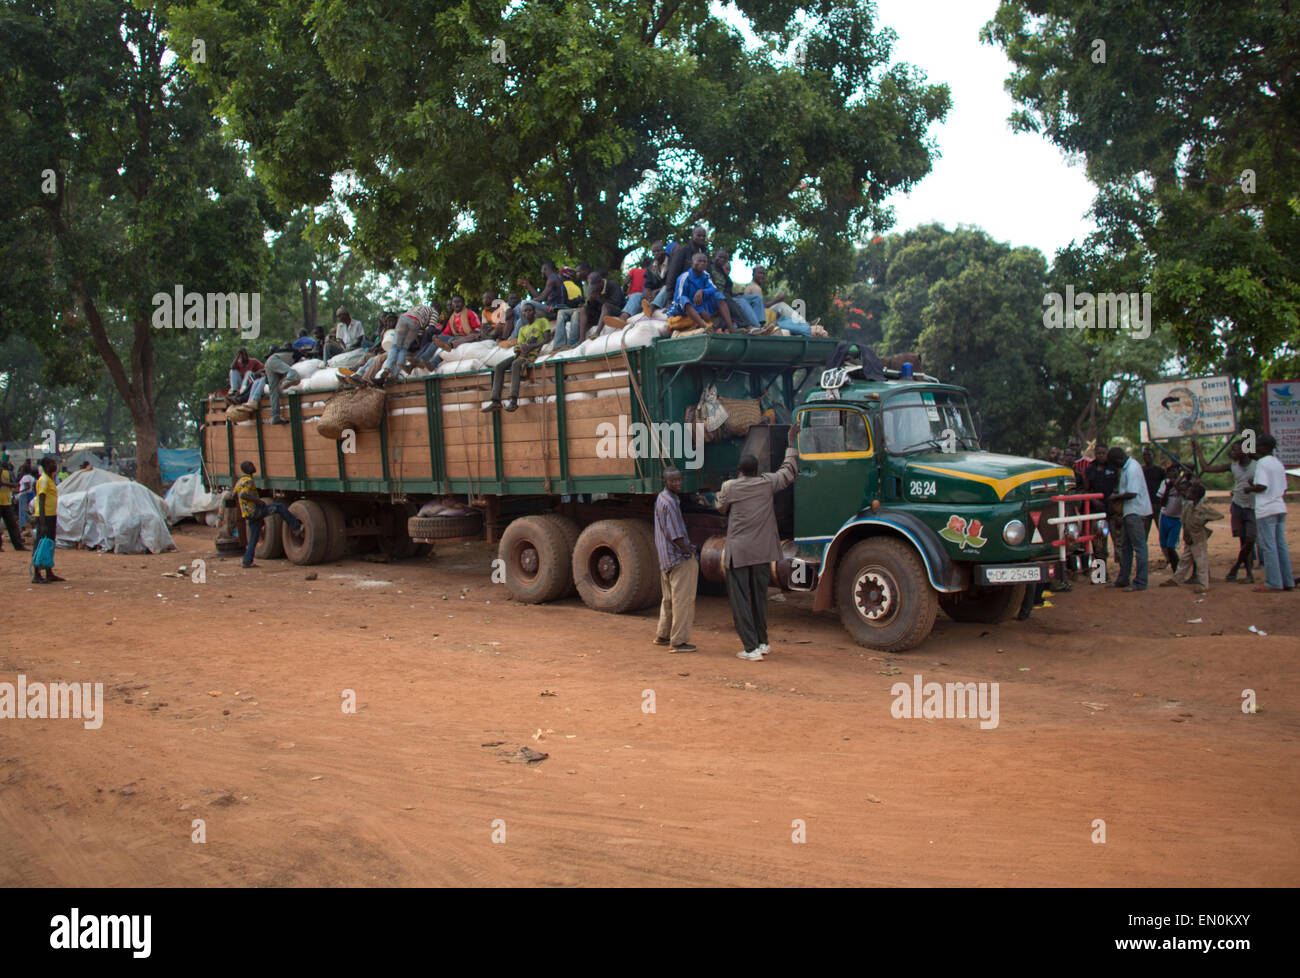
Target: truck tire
<point x="884" y="596"/>
<point x="983" y="606"/>
<point x="336" y="531"/>
<point x="571" y="531"/>
<point x="538" y="563"/>
<point x="444" y="527"/>
<point x="314" y="545"/>
<point x="269" y="545"/>
<point x="611" y="562"/>
<point x="651" y="592"/>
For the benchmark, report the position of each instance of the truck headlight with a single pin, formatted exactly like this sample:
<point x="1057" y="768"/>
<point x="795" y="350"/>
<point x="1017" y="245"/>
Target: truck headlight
<point x="1014" y="532"/>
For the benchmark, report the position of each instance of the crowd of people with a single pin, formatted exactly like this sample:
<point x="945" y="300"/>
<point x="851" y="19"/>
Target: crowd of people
<point x="687" y="287"/>
<point x="1172" y="497"/>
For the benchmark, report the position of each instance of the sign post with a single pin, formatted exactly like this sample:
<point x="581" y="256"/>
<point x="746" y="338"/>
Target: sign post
<point x="1189" y="407"/>
<point x="1282" y="418"/>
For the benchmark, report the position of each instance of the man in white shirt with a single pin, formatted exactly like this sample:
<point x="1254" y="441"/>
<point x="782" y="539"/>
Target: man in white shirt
<point x="1270" y="518"/>
<point x="349" y="332"/>
<point x="1136" y="508"/>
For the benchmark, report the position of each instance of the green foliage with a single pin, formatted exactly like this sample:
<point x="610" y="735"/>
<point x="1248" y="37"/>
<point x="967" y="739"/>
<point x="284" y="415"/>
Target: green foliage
<point x="972" y="308"/>
<point x="118" y="185"/>
<point x="599" y="126"/>
<point x="1190" y="131"/>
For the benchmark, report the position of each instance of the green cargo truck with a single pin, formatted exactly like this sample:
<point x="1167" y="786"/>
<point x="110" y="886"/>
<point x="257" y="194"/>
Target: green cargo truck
<point x="896" y="512"/>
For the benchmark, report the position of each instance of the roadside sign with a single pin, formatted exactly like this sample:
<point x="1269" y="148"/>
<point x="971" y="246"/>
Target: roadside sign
<point x="1190" y="406"/>
<point x="1282" y="418"/>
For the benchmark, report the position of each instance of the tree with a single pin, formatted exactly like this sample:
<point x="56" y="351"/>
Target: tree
<point x="480" y="138"/>
<point x="1188" y="118"/>
<point x="118" y="187"/>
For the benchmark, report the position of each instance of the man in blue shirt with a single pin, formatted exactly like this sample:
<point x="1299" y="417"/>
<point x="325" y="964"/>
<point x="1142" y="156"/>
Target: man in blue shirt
<point x="1136" y="507"/>
<point x="679" y="571"/>
<point x="695" y="293"/>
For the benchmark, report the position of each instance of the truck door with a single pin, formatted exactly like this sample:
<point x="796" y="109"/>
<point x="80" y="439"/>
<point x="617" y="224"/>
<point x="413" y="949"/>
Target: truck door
<point x="837" y="470"/>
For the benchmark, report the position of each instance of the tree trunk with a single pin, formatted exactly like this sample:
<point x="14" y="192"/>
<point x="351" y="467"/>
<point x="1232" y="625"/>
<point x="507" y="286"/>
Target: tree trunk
<point x="136" y="389"/>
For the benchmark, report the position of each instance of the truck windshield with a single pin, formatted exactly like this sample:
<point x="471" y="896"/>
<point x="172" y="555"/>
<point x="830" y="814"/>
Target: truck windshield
<point x="916" y="421"/>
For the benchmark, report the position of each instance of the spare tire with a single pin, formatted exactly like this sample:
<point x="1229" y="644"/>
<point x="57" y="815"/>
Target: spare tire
<point x="611" y="563"/>
<point x="314" y="544"/>
<point x="444" y="527"/>
<point x="538" y="566"/>
<point x="269" y="545"/>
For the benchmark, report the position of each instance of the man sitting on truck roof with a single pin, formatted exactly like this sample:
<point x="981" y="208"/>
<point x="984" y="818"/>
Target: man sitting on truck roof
<point x="410" y="325"/>
<point x="548" y="300"/>
<point x="532" y="337"/>
<point x="787" y="317"/>
<point x="695" y="293"/>
<point x="680" y="261"/>
<point x="605" y="300"/>
<point x="747" y="311"/>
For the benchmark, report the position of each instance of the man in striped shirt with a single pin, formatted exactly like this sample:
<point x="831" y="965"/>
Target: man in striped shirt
<point x="410" y="325"/>
<point x="679" y="571"/>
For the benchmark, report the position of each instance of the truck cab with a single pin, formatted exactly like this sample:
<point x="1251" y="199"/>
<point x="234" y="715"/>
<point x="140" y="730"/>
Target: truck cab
<point x="899" y="512"/>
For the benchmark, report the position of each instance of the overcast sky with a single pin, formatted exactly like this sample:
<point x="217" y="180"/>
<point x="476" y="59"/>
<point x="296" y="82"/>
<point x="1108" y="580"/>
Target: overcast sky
<point x="1019" y="188"/>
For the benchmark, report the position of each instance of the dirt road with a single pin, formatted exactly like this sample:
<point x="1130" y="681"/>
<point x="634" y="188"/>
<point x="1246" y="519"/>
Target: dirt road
<point x="224" y="717"/>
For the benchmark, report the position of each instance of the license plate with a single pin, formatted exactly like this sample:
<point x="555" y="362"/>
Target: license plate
<point x="1013" y="575"/>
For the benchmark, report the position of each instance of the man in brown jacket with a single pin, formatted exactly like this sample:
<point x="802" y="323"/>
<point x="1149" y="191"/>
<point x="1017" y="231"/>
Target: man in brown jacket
<point x="753" y="543"/>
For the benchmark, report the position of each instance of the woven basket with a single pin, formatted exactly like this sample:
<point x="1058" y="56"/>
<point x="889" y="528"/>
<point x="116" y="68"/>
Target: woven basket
<point x="359" y="410"/>
<point x="741" y="416"/>
<point x="241" y="412"/>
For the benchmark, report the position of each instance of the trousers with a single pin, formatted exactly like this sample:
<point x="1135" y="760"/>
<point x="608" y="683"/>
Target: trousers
<point x="747" y="592"/>
<point x="677" y="604"/>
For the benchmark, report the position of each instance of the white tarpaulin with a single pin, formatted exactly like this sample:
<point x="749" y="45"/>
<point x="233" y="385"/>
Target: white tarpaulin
<point x="123" y="517"/>
<point x="84" y="479"/>
<point x="187" y="498"/>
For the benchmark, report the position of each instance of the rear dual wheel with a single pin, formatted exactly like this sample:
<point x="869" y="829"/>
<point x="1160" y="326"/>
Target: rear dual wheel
<point x="615" y="567"/>
<point x="536" y="552"/>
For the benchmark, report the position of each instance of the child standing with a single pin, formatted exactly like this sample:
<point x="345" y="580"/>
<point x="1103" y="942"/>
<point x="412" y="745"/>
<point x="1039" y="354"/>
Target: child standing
<point x="47" y="510"/>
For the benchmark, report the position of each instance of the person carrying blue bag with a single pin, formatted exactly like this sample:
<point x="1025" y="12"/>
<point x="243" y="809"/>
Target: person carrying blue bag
<point x="47" y="514"/>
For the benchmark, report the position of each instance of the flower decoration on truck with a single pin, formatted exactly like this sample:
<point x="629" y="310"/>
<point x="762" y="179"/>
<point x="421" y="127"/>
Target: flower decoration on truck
<point x="964" y="534"/>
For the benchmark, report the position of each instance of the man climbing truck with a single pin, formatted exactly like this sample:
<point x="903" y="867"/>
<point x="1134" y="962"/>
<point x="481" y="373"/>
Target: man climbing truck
<point x="896" y="512"/>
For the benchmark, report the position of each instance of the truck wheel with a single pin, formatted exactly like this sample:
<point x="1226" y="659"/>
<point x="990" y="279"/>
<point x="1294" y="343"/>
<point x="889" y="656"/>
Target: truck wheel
<point x="571" y="531"/>
<point x="651" y="592"/>
<point x="885" y="599"/>
<point x="611" y="562"/>
<point x="537" y="561"/>
<point x="444" y="527"/>
<point x="314" y="544"/>
<point x="984" y="606"/>
<point x="336" y="530"/>
<point x="269" y="544"/>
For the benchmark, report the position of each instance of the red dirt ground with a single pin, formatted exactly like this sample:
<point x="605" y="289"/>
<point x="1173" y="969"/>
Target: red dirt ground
<point x="223" y="703"/>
